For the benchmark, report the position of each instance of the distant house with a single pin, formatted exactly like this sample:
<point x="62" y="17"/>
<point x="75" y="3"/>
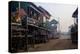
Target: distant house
<point x="52" y="25"/>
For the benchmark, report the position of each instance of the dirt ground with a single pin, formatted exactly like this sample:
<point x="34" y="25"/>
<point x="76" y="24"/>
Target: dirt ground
<point x="54" y="44"/>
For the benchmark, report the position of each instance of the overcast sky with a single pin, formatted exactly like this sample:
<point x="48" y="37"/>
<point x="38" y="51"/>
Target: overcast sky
<point x="61" y="12"/>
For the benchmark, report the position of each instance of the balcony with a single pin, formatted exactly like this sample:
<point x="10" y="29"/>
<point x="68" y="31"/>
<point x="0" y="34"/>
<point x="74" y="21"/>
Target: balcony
<point x="32" y="21"/>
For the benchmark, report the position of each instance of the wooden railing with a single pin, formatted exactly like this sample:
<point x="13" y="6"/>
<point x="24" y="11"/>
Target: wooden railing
<point x="32" y="21"/>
